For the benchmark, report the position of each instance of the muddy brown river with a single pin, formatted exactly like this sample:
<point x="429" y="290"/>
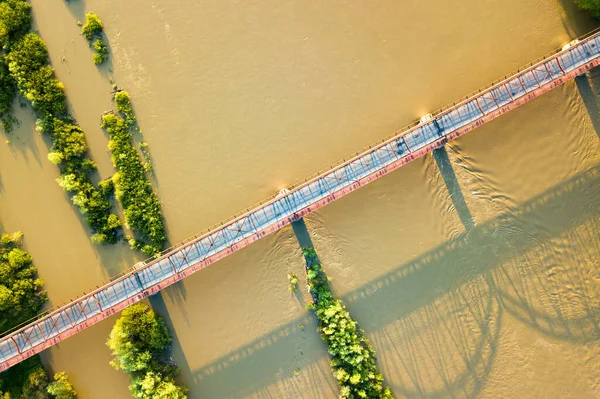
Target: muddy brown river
<point x="474" y="271"/>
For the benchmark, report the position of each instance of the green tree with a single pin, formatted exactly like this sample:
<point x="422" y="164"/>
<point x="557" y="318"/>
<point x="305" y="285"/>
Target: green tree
<point x="123" y="102"/>
<point x="352" y="357"/>
<point x="156" y="386"/>
<point x="15" y="21"/>
<point x="28" y="66"/>
<point x="7" y="94"/>
<point x="133" y="188"/>
<point x="21" y="293"/>
<point x="93" y="26"/>
<point x="101" y="55"/>
<point x="36" y="384"/>
<point x="590" y="5"/>
<point x="137" y="338"/>
<point x="61" y="388"/>
<point x="29" y="69"/>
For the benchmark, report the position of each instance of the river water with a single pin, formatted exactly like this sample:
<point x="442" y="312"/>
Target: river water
<point x="473" y="271"/>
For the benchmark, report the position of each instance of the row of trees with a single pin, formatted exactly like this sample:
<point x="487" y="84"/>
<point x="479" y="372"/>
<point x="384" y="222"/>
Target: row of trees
<point x="24" y="64"/>
<point x="133" y="189"/>
<point x="21" y="297"/>
<point x="140" y="343"/>
<point x="352" y="357"/>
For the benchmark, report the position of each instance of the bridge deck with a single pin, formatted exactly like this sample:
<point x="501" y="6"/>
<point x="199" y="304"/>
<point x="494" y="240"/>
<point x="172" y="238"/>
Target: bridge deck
<point x="138" y="283"/>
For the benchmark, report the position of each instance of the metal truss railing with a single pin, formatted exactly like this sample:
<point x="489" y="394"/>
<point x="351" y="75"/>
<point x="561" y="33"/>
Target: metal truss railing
<point x="416" y="140"/>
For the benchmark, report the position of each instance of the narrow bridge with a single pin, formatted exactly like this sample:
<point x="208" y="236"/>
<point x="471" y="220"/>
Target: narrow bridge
<point x="431" y="132"/>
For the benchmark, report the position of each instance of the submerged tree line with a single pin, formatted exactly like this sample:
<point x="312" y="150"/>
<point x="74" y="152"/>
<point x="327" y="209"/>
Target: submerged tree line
<point x="353" y="360"/>
<point x="25" y="68"/>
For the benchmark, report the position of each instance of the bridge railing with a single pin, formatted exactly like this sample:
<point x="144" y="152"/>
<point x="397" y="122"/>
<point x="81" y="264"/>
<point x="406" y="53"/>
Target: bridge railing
<point x="134" y="284"/>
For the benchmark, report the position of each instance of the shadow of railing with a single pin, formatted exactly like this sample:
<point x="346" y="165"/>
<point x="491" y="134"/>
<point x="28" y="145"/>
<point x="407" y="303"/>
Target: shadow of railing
<point x="477" y="260"/>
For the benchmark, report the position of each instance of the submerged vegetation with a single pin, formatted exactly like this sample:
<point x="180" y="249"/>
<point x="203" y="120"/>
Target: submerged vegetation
<point x="140" y="342"/>
<point x="61" y="387"/>
<point x="21" y="292"/>
<point x="590" y="5"/>
<point x="21" y="297"/>
<point x="293" y="282"/>
<point x="15" y="21"/>
<point x="25" y="57"/>
<point x="101" y="55"/>
<point x="352" y="357"/>
<point x="92" y="31"/>
<point x="7" y="95"/>
<point x="28" y="380"/>
<point x="123" y="102"/>
<point x="132" y="187"/>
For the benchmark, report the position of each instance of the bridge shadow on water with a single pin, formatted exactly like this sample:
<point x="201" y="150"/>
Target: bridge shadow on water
<point x="442" y="160"/>
<point x="438" y="316"/>
<point x="588" y="86"/>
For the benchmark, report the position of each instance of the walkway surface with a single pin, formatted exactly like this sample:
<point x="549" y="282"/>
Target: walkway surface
<point x="417" y="140"/>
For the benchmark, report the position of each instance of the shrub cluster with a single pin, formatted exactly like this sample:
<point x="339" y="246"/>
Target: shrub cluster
<point x="92" y="31"/>
<point x="140" y="343"/>
<point x="61" y="387"/>
<point x="7" y="95"/>
<point x="15" y="21"/>
<point x="352" y="357"/>
<point x="21" y="297"/>
<point x="25" y="58"/>
<point x="590" y="5"/>
<point x="133" y="188"/>
<point x="28" y="380"/>
<point x="21" y="292"/>
<point x="123" y="103"/>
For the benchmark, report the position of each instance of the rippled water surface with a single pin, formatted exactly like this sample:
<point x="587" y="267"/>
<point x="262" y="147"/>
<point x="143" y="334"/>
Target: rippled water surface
<point x="473" y="270"/>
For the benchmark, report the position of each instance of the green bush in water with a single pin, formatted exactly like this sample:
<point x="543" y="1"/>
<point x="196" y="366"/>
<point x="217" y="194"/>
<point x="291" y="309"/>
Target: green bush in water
<point x="92" y="27"/>
<point x="21" y="292"/>
<point x="15" y="21"/>
<point x="61" y="388"/>
<point x="133" y="189"/>
<point x="34" y="78"/>
<point x="92" y="31"/>
<point x="590" y="5"/>
<point x="101" y="55"/>
<point x="352" y="357"/>
<point x="123" y="103"/>
<point x="139" y="340"/>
